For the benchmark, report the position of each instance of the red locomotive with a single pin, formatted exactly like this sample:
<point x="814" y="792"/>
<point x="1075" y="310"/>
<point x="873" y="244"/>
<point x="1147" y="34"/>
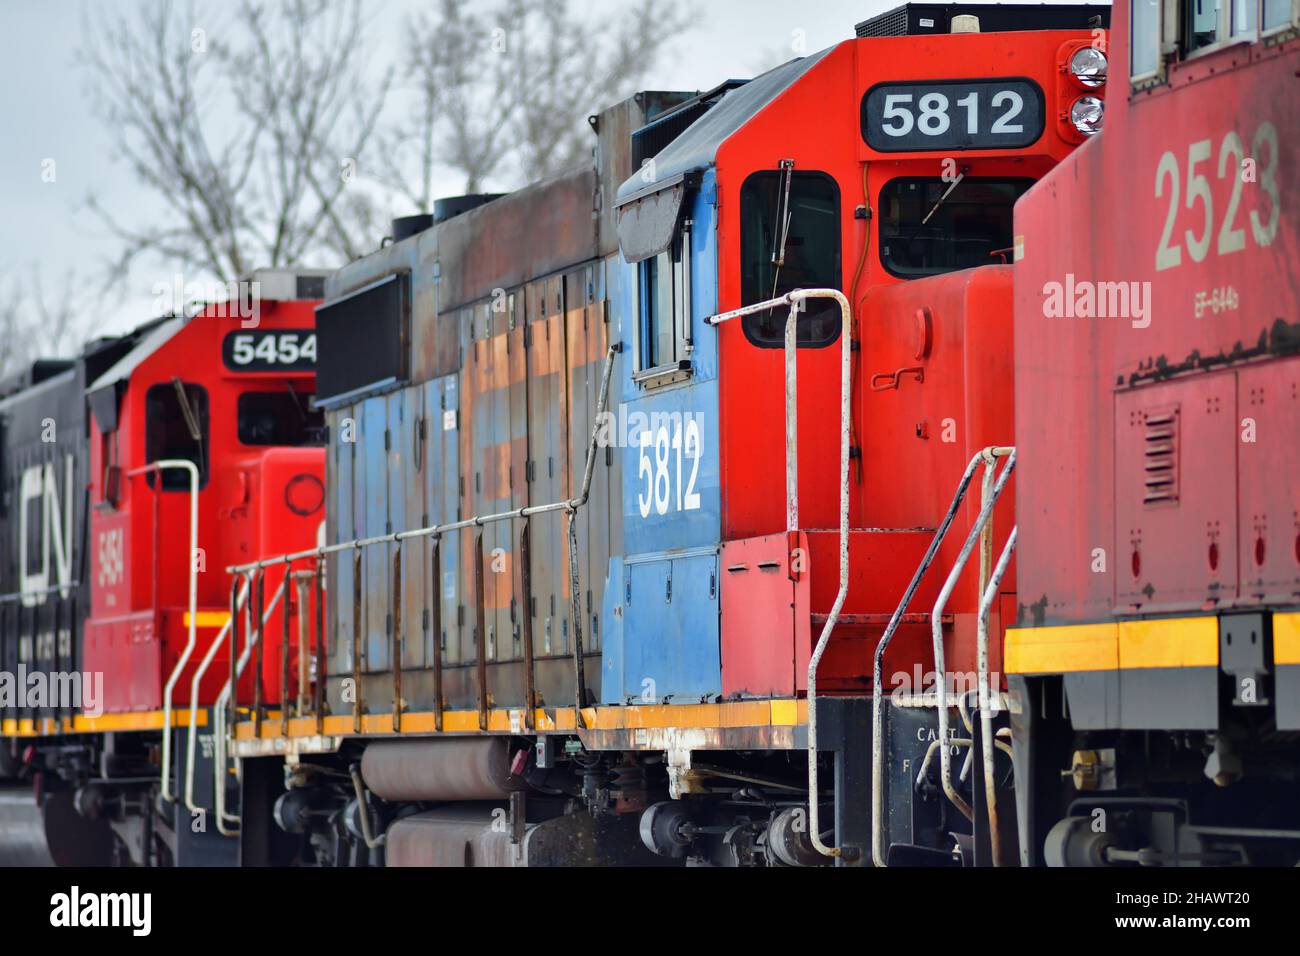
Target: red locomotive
<point x="200" y="448"/>
<point x="820" y="318"/>
<point x="1157" y="372"/>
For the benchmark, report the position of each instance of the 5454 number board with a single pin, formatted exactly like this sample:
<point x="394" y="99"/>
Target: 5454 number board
<point x="952" y="114"/>
<point x="269" y="351"/>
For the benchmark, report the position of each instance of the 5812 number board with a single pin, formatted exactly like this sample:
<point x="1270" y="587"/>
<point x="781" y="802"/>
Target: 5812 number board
<point x="951" y="114"/>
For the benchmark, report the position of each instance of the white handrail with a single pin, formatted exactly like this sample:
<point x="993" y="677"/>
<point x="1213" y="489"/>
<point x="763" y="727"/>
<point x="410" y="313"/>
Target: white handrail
<point x="936" y="635"/>
<point x="161" y="465"/>
<point x="219" y="709"/>
<point x="795" y="301"/>
<point x="987" y="693"/>
<point x="194" y="699"/>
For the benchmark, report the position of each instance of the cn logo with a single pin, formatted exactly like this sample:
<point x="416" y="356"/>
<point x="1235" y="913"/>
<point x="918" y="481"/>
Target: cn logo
<point x="110" y="557"/>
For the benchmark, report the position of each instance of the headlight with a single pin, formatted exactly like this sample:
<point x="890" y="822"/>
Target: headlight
<point x="1086" y="114"/>
<point x="1089" y="66"/>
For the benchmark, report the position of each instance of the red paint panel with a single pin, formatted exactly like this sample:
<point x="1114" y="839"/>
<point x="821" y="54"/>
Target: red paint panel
<point x="1215" y="267"/>
<point x="765" y="622"/>
<point x="1268" y="475"/>
<point x="880" y="566"/>
<point x="1178" y="553"/>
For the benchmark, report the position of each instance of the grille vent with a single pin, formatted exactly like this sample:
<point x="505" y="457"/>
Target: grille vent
<point x="1160" y="457"/>
<point x="891" y="24"/>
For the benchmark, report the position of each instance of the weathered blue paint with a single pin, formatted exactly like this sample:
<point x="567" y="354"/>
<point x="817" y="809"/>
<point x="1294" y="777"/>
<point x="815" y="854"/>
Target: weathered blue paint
<point x="661" y="603"/>
<point x="663" y="642"/>
<point x="342" y="486"/>
<point x="373" y="460"/>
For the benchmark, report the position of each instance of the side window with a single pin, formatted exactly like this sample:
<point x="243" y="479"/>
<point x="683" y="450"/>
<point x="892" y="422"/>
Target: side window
<point x="1277" y="13"/>
<point x="665" y="283"/>
<point x="1144" y="38"/>
<point x="929" y="226"/>
<point x="1209" y="23"/>
<point x="810" y="258"/>
<point x="278" y="418"/>
<point x="176" y="426"/>
<point x="1202" y="25"/>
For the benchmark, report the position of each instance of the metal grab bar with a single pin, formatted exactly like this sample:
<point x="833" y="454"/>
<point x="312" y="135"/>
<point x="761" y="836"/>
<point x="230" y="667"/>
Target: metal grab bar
<point x="936" y="633"/>
<point x="987" y="693"/>
<point x="569" y="506"/>
<point x="161" y="465"/>
<point x="478" y="520"/>
<point x="253" y="637"/>
<point x="877" y="667"/>
<point x="194" y="697"/>
<point x="795" y="301"/>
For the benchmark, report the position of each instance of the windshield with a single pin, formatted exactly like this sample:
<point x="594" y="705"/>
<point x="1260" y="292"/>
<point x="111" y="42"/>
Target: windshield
<point x="929" y="226"/>
<point x="808" y="259"/>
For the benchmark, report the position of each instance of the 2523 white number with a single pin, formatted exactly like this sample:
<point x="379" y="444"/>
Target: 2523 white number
<point x="1231" y="237"/>
<point x="662" y="460"/>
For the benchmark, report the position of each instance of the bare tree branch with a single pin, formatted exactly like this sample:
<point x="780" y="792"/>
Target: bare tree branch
<point x="248" y="125"/>
<point x="34" y="324"/>
<point x="515" y="81"/>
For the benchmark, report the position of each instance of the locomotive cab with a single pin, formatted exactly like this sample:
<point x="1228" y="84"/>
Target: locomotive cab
<point x="208" y="419"/>
<point x="902" y="201"/>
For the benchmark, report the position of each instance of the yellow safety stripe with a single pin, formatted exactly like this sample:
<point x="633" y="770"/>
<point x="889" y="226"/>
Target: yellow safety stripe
<point x="1179" y="642"/>
<point x="757" y="713"/>
<point x="1286" y="638"/>
<point x="81" y="724"/>
<point x="1058" y="650"/>
<point x="1118" y="645"/>
<point x="206" y="618"/>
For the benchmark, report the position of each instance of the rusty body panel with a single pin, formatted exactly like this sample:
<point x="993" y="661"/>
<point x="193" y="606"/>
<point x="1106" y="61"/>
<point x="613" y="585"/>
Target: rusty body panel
<point x="510" y="317"/>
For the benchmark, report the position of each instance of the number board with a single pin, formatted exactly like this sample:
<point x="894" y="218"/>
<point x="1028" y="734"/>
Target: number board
<point x="269" y="351"/>
<point x="952" y="114"/>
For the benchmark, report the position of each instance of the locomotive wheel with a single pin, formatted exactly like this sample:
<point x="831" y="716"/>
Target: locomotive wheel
<point x="74" y="840"/>
<point x="10" y="763"/>
<point x="1072" y="842"/>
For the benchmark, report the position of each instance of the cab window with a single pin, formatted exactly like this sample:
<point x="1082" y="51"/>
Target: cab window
<point x="665" y="283"/>
<point x="176" y="426"/>
<point x="805" y="254"/>
<point x="1144" y="38"/>
<point x="1277" y="14"/>
<point x="929" y="226"/>
<point x="279" y="418"/>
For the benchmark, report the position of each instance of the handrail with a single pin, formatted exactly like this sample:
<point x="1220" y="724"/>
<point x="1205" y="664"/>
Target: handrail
<point x="254" y="636"/>
<point x="987" y="692"/>
<point x="936" y="634"/>
<point x="795" y="300"/>
<point x="194" y="698"/>
<point x="569" y="506"/>
<point x="877" y="667"/>
<point x="161" y="465"/>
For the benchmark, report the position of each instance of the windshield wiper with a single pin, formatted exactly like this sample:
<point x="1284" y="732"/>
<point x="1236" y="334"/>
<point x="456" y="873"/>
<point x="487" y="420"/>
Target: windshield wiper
<point x="783" y="211"/>
<point x="947" y="192"/>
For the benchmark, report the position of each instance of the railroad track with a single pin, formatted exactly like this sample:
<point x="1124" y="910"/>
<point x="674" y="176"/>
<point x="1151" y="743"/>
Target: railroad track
<point x="22" y="836"/>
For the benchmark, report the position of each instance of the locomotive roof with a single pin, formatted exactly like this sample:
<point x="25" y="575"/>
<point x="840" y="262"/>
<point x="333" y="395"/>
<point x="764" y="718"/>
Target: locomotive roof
<point x="155" y="339"/>
<point x="696" y="148"/>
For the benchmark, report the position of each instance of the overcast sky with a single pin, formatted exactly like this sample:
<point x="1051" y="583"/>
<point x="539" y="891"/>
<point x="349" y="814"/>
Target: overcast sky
<point x="45" y="112"/>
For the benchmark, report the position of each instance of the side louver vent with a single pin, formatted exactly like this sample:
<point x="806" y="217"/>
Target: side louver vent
<point x="1160" y="457"/>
